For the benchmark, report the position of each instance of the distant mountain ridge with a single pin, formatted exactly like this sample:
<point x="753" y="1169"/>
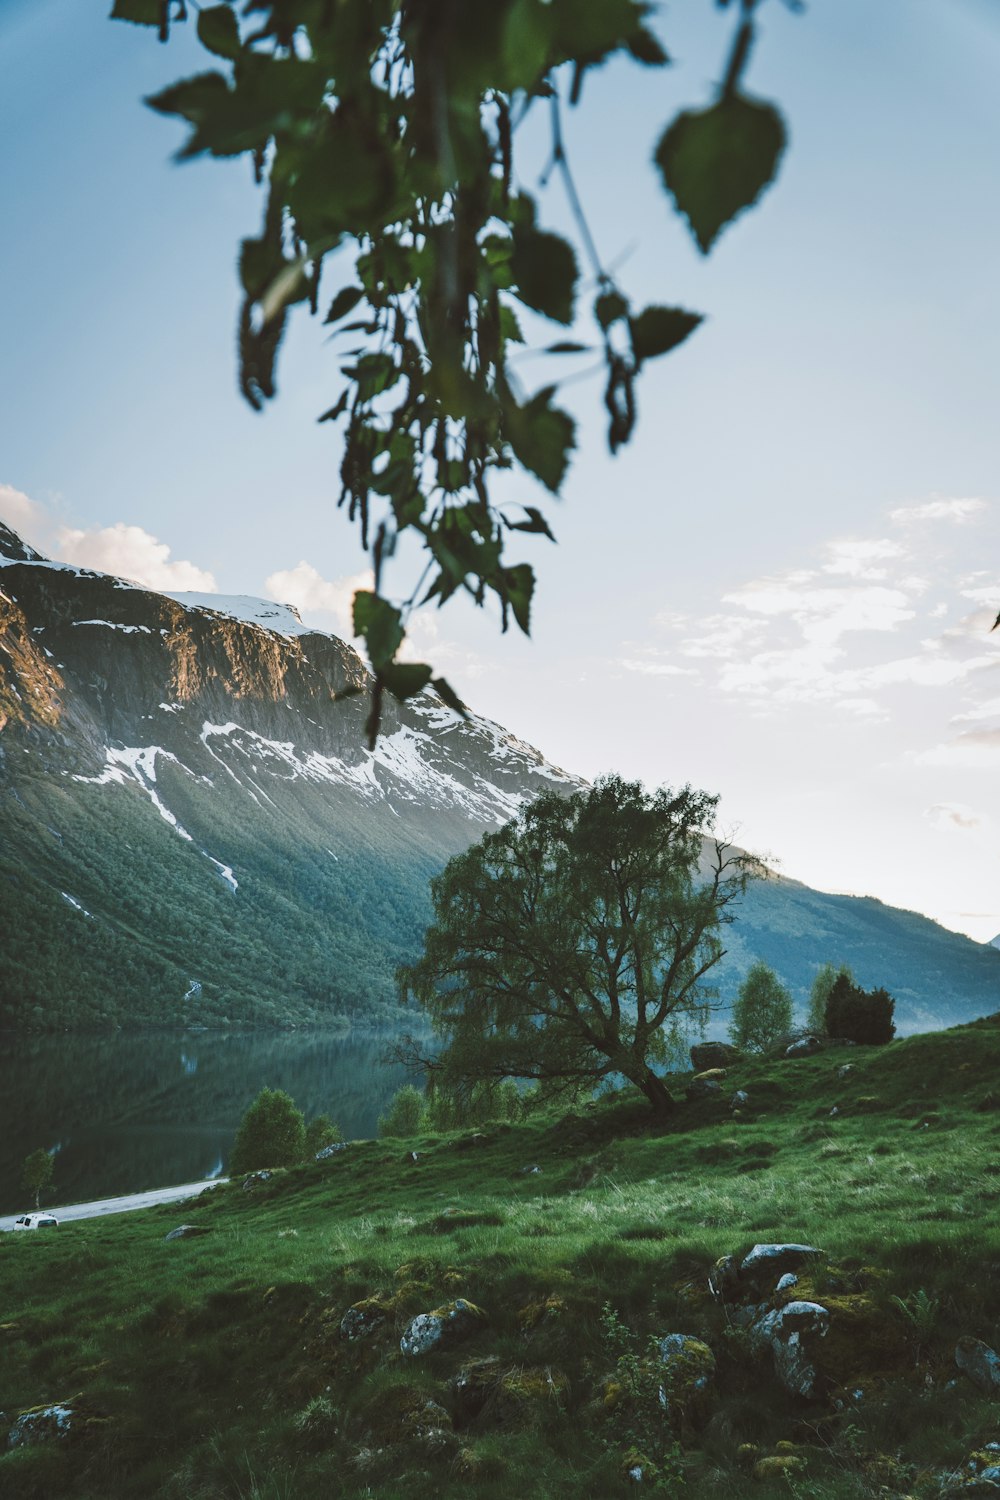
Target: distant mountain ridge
<point x="192" y="831"/>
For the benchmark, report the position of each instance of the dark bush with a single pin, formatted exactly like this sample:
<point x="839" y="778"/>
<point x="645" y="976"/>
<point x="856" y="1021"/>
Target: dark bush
<point x="857" y="1015"/>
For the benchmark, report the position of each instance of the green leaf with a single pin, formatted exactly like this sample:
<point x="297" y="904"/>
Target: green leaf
<point x="448" y="696"/>
<point x="536" y="522"/>
<point x="198" y="100"/>
<point x="527" y="42"/>
<point x="657" y="330"/>
<point x="544" y="269"/>
<point x="717" y="161"/>
<point x="381" y="626"/>
<point x="346" y="298"/>
<point x="609" y="307"/>
<point x="519" y="585"/>
<point x="337" y="409"/>
<point x="646" y="48"/>
<point x="542" y="437"/>
<point x="218" y="31"/>
<point x="405" y="678"/>
<point x="139" y="12"/>
<point x="510" y="328"/>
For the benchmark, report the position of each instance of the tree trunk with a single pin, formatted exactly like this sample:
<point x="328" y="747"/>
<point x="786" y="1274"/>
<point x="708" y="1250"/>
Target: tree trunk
<point x="656" y="1092"/>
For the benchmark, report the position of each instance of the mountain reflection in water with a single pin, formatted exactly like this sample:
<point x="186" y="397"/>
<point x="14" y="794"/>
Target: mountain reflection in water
<point x="127" y="1112"/>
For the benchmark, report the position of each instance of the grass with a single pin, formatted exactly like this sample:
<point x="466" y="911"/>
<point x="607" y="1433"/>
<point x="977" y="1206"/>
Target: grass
<point x="213" y="1368"/>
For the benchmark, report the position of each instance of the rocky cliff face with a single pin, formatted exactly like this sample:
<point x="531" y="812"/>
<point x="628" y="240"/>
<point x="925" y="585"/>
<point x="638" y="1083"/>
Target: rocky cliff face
<point x="137" y="727"/>
<point x="192" y="830"/>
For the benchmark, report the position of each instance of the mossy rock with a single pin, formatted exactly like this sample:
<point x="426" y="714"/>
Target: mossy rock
<point x="547" y="1309"/>
<point x="779" y="1466"/>
<point x="688" y="1376"/>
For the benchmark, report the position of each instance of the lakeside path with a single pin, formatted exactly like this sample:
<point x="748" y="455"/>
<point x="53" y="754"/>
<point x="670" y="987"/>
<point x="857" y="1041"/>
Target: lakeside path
<point x="101" y="1206"/>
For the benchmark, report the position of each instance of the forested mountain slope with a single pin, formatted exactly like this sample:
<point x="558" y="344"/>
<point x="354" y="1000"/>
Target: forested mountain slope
<point x="192" y="832"/>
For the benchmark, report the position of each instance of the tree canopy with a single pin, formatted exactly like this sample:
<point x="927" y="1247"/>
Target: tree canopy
<point x="819" y="994"/>
<point x="572" y="944"/>
<point x="272" y="1133"/>
<point x="858" y="1015"/>
<point x="36" y="1173"/>
<point x="762" y="1009"/>
<point x="385" y="136"/>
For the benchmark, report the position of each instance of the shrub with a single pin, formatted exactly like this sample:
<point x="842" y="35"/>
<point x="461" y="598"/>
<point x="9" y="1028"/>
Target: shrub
<point x="819" y="994"/>
<point x="272" y="1133"/>
<point x="762" y="1011"/>
<point x="406" y="1112"/>
<point x="319" y="1133"/>
<point x="857" y="1015"/>
<point x="481" y="1105"/>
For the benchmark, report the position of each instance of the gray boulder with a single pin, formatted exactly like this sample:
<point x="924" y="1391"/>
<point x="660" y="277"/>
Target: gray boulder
<point x="766" y="1264"/>
<point x="703" y="1088"/>
<point x="362" y="1319"/>
<point x="446" y="1325"/>
<point x="793" y="1334"/>
<point x="804" y="1047"/>
<point x="255" y="1179"/>
<point x="187" y="1232"/>
<point x="713" y="1055"/>
<point x="44" y="1424"/>
<point x="332" y="1150"/>
<point x="980" y="1363"/>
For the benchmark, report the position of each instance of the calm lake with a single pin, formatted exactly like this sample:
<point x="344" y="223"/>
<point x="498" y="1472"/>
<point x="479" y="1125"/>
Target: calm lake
<point x="126" y="1112"/>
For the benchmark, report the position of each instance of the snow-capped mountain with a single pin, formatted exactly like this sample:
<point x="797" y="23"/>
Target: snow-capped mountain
<point x="147" y="736"/>
<point x="192" y="830"/>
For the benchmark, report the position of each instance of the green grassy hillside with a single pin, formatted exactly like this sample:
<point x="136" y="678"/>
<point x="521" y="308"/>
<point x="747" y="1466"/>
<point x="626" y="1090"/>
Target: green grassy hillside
<point x="216" y="1366"/>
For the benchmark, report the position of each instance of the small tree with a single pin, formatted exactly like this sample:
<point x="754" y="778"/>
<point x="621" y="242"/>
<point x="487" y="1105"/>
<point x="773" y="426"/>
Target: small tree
<point x="272" y="1133"/>
<point x="405" y="1115"/>
<point x="857" y="1015"/>
<point x="825" y="979"/>
<point x="568" y="946"/>
<point x="320" y="1132"/>
<point x="36" y="1174"/>
<point x="763" y="1009"/>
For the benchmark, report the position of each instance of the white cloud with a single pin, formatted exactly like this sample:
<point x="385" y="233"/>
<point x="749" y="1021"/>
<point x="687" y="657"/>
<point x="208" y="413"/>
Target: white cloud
<point x="978" y="749"/>
<point x="959" y="511"/>
<point x="320" y="601"/>
<point x="27" y="517"/>
<point x="988" y="710"/>
<point x="652" y="667"/>
<point x="131" y="552"/>
<point x="825" y="613"/>
<point x="854" y="558"/>
<point x="952" y="817"/>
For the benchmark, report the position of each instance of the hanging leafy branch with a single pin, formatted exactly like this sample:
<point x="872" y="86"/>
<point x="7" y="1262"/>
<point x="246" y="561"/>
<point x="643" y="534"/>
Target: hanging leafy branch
<point x="387" y="128"/>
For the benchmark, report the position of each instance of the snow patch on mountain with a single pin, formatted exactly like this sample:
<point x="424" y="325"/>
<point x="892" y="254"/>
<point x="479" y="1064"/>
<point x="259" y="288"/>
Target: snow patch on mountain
<point x="283" y="619"/>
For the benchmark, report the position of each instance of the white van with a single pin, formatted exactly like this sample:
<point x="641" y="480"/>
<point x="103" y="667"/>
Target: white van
<point x="36" y="1221"/>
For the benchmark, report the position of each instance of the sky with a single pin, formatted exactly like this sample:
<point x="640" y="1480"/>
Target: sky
<point x="782" y="591"/>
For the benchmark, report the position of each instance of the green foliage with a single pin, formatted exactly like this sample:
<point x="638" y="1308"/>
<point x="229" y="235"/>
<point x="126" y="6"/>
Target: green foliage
<point x="920" y="1310"/>
<point x="857" y="1015"/>
<point x="762" y="1010"/>
<point x="485" y="1103"/>
<point x="386" y="132"/>
<point x="819" y="994"/>
<point x="567" y="946"/>
<point x="240" y="1326"/>
<point x="320" y="1132"/>
<point x="406" y="1114"/>
<point x="272" y="1133"/>
<point x="36" y="1174"/>
<point x="717" y="161"/>
<point x="637" y="1415"/>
